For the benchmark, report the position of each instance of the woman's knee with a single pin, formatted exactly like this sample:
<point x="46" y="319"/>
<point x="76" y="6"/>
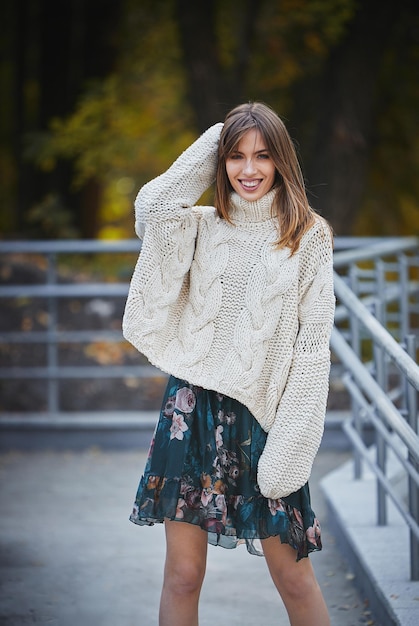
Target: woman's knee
<point x="293" y="579"/>
<point x="297" y="582"/>
<point x="184" y="576"/>
<point x="185" y="557"/>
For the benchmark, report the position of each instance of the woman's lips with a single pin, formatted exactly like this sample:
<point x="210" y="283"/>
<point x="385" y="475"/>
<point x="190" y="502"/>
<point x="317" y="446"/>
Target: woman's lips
<point x="250" y="185"/>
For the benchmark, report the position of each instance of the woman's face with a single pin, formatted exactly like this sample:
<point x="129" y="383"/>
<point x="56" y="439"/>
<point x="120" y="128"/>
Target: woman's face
<point x="249" y="167"/>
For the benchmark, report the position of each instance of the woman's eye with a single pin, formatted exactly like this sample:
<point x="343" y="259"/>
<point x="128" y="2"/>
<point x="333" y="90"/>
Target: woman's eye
<point x="235" y="157"/>
<point x="263" y="156"/>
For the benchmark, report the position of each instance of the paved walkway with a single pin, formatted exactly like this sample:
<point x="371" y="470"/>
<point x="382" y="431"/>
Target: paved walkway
<point x="69" y="555"/>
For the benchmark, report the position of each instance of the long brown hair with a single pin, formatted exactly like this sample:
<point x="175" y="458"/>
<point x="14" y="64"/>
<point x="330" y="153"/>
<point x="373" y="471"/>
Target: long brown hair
<point x="290" y="206"/>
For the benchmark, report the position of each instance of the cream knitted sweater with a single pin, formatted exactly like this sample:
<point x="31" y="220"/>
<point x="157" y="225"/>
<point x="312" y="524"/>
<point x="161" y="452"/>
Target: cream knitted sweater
<point x="219" y="306"/>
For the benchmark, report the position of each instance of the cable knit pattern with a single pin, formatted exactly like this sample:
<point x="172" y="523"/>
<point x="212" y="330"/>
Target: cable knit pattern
<point x="219" y="306"/>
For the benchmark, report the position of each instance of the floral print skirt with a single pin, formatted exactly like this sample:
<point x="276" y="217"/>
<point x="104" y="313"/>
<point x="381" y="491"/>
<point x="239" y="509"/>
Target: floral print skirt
<point x="202" y="469"/>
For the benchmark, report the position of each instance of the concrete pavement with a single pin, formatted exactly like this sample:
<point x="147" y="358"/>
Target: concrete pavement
<point x="70" y="556"/>
<point x="378" y="555"/>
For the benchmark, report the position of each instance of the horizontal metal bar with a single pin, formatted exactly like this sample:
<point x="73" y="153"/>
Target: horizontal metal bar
<point x="345" y="243"/>
<point x="375" y="250"/>
<point x="82" y="371"/>
<point x="61" y="336"/>
<point x="66" y="246"/>
<point x="73" y="290"/>
<point x="84" y="420"/>
<point x="381" y="477"/>
<point x="374" y="392"/>
<point x="380" y="335"/>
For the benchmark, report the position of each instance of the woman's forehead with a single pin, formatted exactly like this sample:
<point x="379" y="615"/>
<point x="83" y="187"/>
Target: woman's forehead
<point x="251" y="140"/>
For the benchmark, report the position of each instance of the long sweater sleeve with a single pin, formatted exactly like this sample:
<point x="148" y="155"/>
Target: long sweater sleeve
<point x="166" y="222"/>
<point x="293" y="441"/>
<point x="181" y="186"/>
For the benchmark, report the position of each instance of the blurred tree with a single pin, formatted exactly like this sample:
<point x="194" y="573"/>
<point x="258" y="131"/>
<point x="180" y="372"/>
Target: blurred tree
<point x="50" y="51"/>
<point x="216" y="81"/>
<point x="341" y="104"/>
<point x="390" y="205"/>
<point x="339" y="72"/>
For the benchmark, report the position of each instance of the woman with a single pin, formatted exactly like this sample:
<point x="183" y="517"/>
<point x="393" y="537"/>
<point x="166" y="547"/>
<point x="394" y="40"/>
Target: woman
<point x="235" y="303"/>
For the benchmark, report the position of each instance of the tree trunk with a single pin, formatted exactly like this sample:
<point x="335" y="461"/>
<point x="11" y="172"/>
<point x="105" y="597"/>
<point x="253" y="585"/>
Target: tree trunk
<point x="343" y="101"/>
<point x="212" y="89"/>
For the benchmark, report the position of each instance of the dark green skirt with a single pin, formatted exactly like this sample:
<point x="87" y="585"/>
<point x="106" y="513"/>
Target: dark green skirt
<point x="202" y="469"/>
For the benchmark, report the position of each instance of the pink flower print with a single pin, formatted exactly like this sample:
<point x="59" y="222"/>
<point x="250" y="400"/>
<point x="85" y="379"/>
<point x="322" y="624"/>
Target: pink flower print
<point x="220" y="503"/>
<point x="218" y="436"/>
<point x="222" y="453"/>
<point x="178" y="427"/>
<point x="230" y="418"/>
<point x="275" y="506"/>
<point x="313" y="533"/>
<point x="237" y="501"/>
<point x="185" y="400"/>
<point x="310" y="535"/>
<point x="179" y="512"/>
<point x="206" y="496"/>
<point x="169" y="406"/>
<point x="218" y="473"/>
<point x="298" y="517"/>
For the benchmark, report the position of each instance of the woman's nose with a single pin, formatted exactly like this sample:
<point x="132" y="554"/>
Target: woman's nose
<point x="249" y="167"/>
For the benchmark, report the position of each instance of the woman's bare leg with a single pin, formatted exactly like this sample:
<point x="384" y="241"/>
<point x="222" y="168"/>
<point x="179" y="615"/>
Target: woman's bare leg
<point x="296" y="583"/>
<point x="184" y="573"/>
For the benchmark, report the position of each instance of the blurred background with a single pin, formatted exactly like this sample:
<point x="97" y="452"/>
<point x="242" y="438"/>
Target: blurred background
<point x="98" y="96"/>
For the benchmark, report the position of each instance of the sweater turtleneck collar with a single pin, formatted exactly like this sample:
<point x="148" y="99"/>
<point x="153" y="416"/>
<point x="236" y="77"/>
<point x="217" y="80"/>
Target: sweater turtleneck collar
<point x="258" y="211"/>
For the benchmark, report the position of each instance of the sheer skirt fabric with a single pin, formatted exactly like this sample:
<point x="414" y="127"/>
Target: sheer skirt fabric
<point x="202" y="469"/>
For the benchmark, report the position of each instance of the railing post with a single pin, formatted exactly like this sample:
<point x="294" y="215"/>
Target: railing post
<point x="404" y="297"/>
<point x="413" y="494"/>
<point x="356" y="347"/>
<point x="380" y="285"/>
<point x="52" y="351"/>
<point x="381" y="450"/>
<point x="380" y="443"/>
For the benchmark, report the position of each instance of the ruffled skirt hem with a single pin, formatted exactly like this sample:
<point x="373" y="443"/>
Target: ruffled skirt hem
<point x="202" y="469"/>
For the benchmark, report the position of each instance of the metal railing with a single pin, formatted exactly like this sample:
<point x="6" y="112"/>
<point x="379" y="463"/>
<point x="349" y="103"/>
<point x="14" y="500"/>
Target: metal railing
<point x="50" y="292"/>
<point x="375" y="340"/>
<point x="377" y="290"/>
<point x="53" y="290"/>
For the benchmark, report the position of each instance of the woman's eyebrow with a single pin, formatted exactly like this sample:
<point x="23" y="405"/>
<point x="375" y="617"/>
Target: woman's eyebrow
<point x="235" y="151"/>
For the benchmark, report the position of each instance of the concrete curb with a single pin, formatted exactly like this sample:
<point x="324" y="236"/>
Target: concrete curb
<point x="378" y="555"/>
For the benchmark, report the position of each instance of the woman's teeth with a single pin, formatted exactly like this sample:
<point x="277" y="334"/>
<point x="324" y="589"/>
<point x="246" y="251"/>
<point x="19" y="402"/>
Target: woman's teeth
<point x="250" y="183"/>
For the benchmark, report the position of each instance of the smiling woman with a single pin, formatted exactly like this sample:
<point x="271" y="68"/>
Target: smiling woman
<point x="236" y="303"/>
